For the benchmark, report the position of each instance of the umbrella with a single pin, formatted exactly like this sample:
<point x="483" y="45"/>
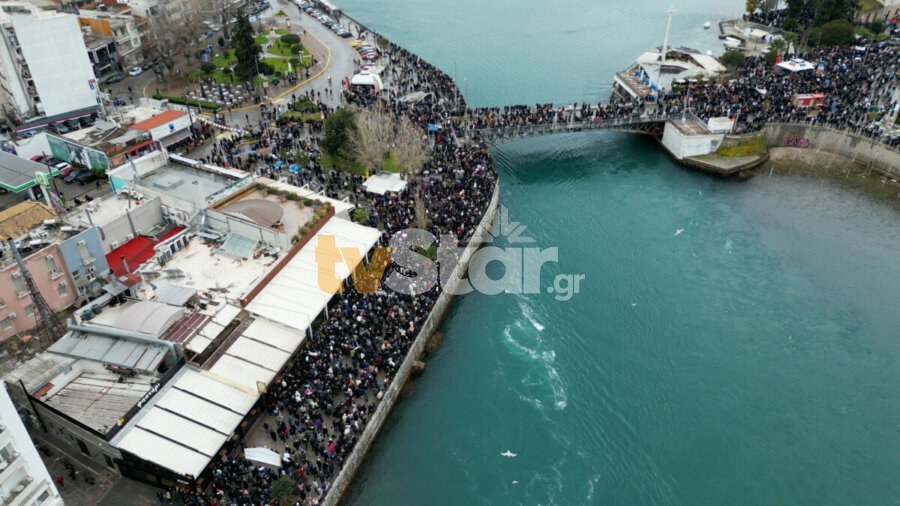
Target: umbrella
<point x="279" y="163"/>
<point x="294" y="168"/>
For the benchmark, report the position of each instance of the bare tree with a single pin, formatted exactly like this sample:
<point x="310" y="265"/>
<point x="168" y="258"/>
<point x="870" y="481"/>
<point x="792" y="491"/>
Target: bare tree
<point x="410" y="146"/>
<point x="172" y="36"/>
<point x="372" y="138"/>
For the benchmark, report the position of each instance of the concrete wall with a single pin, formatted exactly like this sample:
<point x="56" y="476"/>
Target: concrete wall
<point x="225" y="224"/>
<point x="144" y="218"/>
<point x="355" y="460"/>
<point x="56" y="288"/>
<point x="864" y="150"/>
<point x="682" y="146"/>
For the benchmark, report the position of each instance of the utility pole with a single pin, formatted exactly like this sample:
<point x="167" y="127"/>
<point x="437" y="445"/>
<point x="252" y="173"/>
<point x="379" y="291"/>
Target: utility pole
<point x="665" y="48"/>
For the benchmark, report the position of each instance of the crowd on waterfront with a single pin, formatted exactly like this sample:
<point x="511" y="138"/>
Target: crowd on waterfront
<point x="317" y="412"/>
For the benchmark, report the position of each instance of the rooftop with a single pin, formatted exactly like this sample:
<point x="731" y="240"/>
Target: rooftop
<point x="16" y="173"/>
<point x="181" y="182"/>
<point x="136" y="251"/>
<point x="93" y="395"/>
<point x="158" y="120"/>
<point x="22" y="218"/>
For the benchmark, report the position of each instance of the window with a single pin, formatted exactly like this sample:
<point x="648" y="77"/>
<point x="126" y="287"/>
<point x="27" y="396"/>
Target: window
<point x="5" y="324"/>
<point x="51" y="264"/>
<point x="29" y="310"/>
<point x="76" y="275"/>
<point x="85" y="253"/>
<point x="19" y="283"/>
<point x="61" y="289"/>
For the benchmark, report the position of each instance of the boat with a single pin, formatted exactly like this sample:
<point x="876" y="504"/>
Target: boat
<point x="707" y="25"/>
<point x="732" y="42"/>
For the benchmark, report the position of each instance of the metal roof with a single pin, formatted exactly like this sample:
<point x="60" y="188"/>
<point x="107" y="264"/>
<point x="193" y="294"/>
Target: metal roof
<point x="172" y="294"/>
<point x="17" y="173"/>
<point x="111" y="350"/>
<point x="149" y="317"/>
<point x="185" y="424"/>
<point x="23" y="217"/>
<point x="98" y="399"/>
<point x="36" y="372"/>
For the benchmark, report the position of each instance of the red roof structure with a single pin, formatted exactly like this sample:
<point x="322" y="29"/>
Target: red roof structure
<point x="160" y="119"/>
<point x="135" y="252"/>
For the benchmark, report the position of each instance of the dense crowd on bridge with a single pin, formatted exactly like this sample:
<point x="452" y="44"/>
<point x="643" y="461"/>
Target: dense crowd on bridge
<point x="858" y="81"/>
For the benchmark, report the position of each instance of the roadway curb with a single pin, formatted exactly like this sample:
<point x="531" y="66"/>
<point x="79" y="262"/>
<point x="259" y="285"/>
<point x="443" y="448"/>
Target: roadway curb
<point x="277" y="97"/>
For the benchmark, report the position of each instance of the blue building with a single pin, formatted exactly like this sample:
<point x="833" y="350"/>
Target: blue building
<point x="86" y="262"/>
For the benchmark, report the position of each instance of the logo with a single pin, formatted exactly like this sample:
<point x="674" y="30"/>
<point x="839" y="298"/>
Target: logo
<point x="422" y="261"/>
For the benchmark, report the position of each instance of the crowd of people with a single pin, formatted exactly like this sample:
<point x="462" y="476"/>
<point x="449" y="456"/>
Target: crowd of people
<point x="320" y="407"/>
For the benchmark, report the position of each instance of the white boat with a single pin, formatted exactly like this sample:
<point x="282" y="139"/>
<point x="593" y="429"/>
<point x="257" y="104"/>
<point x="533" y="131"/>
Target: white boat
<point x="707" y="25"/>
<point x="732" y="42"/>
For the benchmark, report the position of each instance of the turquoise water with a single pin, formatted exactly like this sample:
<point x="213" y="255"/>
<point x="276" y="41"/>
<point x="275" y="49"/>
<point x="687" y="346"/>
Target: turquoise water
<point x="750" y="359"/>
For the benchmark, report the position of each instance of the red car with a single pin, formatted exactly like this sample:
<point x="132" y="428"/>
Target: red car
<point x="64" y="169"/>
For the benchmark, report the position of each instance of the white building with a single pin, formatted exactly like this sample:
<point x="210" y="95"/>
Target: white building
<point x="24" y="479"/>
<point x="45" y="73"/>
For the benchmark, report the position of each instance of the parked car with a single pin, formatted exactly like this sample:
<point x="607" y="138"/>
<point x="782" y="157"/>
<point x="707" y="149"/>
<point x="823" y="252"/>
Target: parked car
<point x="64" y="169"/>
<point x="86" y="176"/>
<point x="73" y="175"/>
<point x="113" y="78"/>
<point x="39" y="158"/>
<point x="135" y="71"/>
<point x="148" y="64"/>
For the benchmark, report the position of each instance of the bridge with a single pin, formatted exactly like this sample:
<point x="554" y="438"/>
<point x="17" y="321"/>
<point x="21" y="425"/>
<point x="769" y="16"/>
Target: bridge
<point x="644" y="124"/>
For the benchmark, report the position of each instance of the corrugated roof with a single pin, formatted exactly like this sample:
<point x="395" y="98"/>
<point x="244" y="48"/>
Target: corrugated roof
<point x="22" y="217"/>
<point x="111" y="350"/>
<point x="158" y="120"/>
<point x="149" y="317"/>
<point x="173" y="295"/>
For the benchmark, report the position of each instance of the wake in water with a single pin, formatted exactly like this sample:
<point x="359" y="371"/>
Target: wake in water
<point x="525" y="337"/>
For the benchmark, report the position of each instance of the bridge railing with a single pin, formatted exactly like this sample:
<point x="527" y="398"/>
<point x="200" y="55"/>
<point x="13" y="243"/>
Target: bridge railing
<point x="570" y="126"/>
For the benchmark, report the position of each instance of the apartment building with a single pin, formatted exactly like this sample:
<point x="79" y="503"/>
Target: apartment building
<point x="45" y="73"/>
<point x="114" y="20"/>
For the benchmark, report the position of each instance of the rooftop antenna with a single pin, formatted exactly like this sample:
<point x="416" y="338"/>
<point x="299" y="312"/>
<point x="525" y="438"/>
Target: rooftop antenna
<point x="665" y="48"/>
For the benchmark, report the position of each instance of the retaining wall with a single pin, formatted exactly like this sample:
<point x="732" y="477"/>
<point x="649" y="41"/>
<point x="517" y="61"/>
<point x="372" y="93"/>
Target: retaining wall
<point x="865" y="151"/>
<point x="392" y="395"/>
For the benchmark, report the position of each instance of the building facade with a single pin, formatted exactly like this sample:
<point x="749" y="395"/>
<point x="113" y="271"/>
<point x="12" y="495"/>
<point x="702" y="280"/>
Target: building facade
<point x="115" y="21"/>
<point x="17" y="311"/>
<point x="23" y="476"/>
<point x="44" y="65"/>
<point x="85" y="262"/>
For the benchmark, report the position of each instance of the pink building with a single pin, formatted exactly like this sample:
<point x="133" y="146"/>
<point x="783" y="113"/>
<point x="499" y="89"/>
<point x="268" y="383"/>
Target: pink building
<point x="17" y="310"/>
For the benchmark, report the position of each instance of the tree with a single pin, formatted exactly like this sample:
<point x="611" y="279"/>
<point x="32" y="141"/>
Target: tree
<point x="410" y="146"/>
<point x="372" y="138"/>
<point x="830" y="10"/>
<point x="751" y="6"/>
<point x="221" y="41"/>
<point x="733" y="59"/>
<point x="290" y="39"/>
<point x="339" y="127"/>
<point x="834" y="33"/>
<point x="171" y="36"/>
<point x="245" y="49"/>
<point x="776" y="49"/>
<point x="282" y="488"/>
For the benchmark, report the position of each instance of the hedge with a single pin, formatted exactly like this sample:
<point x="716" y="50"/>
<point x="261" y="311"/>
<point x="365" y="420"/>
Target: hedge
<point x="193" y="103"/>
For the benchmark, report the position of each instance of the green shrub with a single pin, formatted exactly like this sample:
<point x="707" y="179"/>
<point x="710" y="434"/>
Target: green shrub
<point x="193" y="103"/>
<point x="360" y="215"/>
<point x="296" y="49"/>
<point x="733" y="59"/>
<point x="208" y="68"/>
<point x="290" y="39"/>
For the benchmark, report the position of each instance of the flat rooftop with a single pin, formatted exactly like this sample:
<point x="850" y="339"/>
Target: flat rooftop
<point x="689" y="127"/>
<point x="181" y="181"/>
<point x="294" y="216"/>
<point x="203" y="266"/>
<point x="102" y="211"/>
<point x="94" y="396"/>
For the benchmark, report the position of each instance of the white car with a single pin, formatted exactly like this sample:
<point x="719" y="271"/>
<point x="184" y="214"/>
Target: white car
<point x="135" y="71"/>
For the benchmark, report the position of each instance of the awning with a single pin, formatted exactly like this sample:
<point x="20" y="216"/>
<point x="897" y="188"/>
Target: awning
<point x="175" y="138"/>
<point x="263" y="456"/>
<point x="384" y="182"/>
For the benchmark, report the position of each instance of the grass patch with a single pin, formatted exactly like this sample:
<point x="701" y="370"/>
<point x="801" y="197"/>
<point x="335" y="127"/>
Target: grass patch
<point x="869" y="5"/>
<point x="281" y="31"/>
<point x="390" y="163"/>
<point x="306" y="117"/>
<point x="193" y="103"/>
<point x="261" y="39"/>
<point x="225" y="59"/>
<point x="341" y="163"/>
<point x="280" y="14"/>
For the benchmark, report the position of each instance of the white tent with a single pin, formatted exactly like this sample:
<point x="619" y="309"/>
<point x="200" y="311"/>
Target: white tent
<point x="384" y="182"/>
<point x="263" y="456"/>
<point x="796" y="65"/>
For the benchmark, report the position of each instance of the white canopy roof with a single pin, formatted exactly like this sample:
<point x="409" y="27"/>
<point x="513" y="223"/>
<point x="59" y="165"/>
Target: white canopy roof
<point x="263" y="456"/>
<point x="187" y="422"/>
<point x="796" y="65"/>
<point x="149" y="317"/>
<point x="293" y="297"/>
<point x="384" y="182"/>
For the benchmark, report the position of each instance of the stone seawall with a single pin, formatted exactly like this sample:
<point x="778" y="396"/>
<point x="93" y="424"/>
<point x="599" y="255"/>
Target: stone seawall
<point x="865" y="151"/>
<point x="392" y="395"/>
